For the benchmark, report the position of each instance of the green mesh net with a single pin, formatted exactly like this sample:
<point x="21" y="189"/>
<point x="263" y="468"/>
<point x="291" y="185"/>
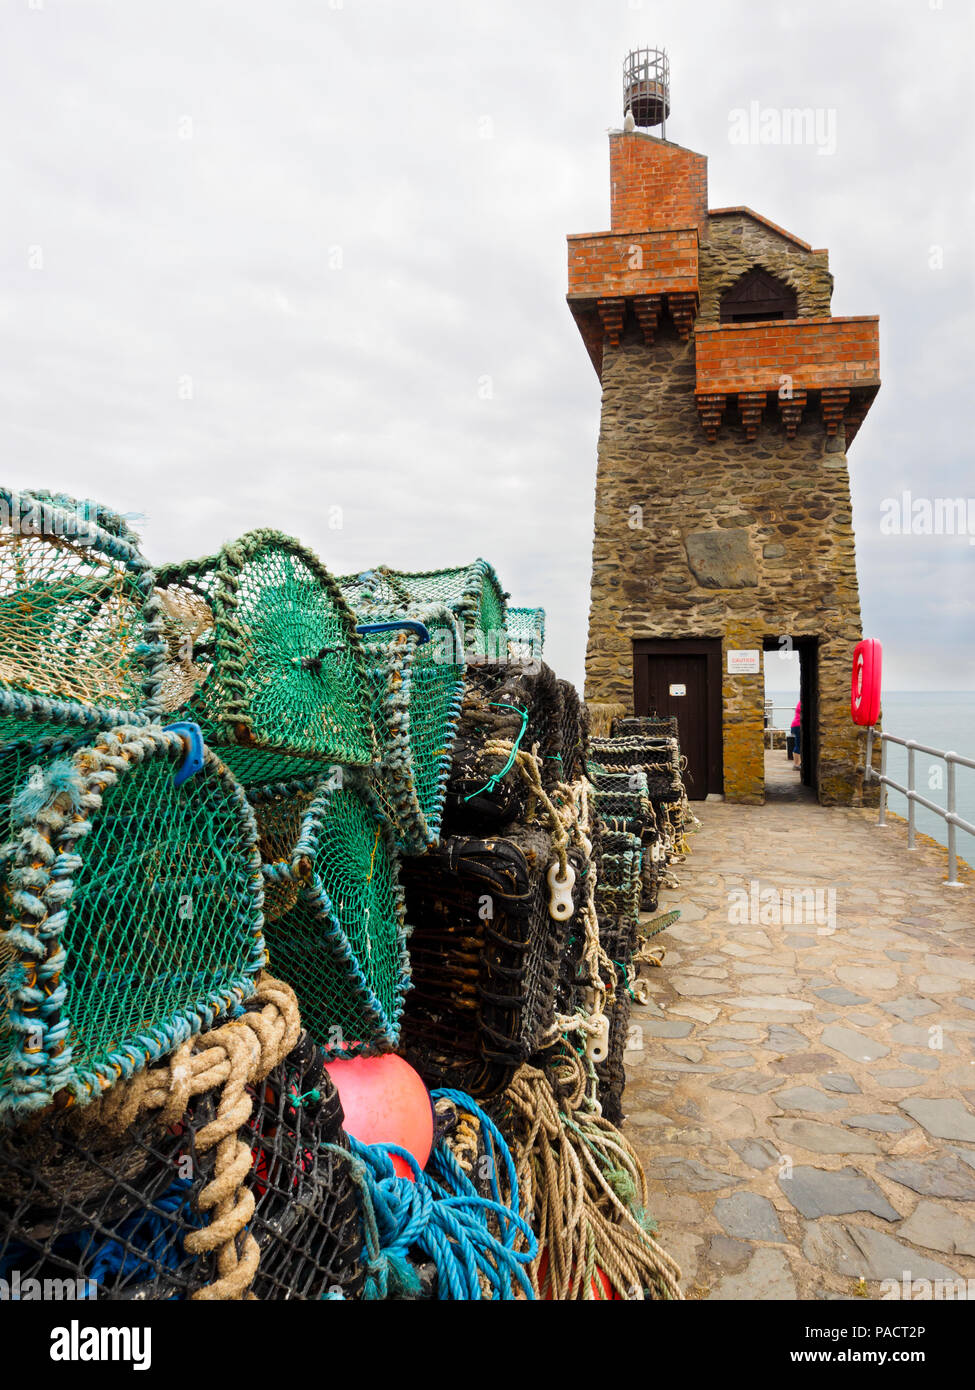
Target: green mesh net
<point x="131" y="913"/>
<point x="526" y="633"/>
<point x="417" y="688"/>
<point x="619" y="884"/>
<point x="79" y="624"/>
<point x="280" y="813"/>
<point x="621" y="798"/>
<point x="473" y="593"/>
<point x="342" y="946"/>
<point x="263" y="654"/>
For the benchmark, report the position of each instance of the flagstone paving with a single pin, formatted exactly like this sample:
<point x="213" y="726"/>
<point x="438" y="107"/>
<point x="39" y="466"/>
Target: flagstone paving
<point x="802" y="1091"/>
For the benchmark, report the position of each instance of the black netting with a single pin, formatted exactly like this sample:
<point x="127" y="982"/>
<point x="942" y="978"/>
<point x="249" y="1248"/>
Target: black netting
<point x="574" y="733"/>
<point x="611" y="1074"/>
<point x="118" y="1214"/>
<point x="515" y="707"/>
<point x="652" y="724"/>
<point x="485" y="956"/>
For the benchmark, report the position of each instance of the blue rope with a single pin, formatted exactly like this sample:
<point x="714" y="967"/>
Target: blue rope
<point x="442" y="1215"/>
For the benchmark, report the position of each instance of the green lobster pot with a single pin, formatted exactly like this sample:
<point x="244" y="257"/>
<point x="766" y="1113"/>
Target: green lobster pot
<point x="618" y="883"/>
<point x="280" y="811"/>
<point x="473" y="593"/>
<point x="264" y="656"/>
<point x="342" y="945"/>
<point x="621" y="798"/>
<point x="130" y="909"/>
<point x="416" y="673"/>
<point x="80" y="625"/>
<point x="526" y="634"/>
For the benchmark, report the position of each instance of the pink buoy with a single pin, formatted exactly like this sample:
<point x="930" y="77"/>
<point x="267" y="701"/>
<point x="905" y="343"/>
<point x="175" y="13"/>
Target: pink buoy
<point x="385" y="1102"/>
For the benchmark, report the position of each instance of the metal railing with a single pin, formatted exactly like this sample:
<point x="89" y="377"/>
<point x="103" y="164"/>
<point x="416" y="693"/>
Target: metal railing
<point x="771" y="711"/>
<point x="947" y="813"/>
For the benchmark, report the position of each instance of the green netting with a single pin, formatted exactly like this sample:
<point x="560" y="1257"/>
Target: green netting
<point x="342" y="947"/>
<point x="131" y="913"/>
<point x="622" y="799"/>
<point x="526" y="633"/>
<point x="618" y="884"/>
<point x="263" y="654"/>
<point x="280" y="813"/>
<point x="79" y="623"/>
<point x="473" y="593"/>
<point x="417" y="689"/>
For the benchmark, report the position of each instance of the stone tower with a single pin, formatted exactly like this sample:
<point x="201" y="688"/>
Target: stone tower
<point x="723" y="523"/>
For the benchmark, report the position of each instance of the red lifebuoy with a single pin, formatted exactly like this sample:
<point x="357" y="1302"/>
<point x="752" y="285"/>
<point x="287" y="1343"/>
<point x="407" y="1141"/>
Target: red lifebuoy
<point x="865" y="687"/>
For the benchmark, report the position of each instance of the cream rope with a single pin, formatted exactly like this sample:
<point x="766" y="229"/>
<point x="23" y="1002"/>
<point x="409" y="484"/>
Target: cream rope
<point x="237" y="1055"/>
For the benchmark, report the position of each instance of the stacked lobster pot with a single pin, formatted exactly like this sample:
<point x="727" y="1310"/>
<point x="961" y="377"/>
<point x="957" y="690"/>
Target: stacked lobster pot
<point x="130" y="890"/>
<point x="505" y="902"/>
<point x="639" y="805"/>
<point x="621" y="813"/>
<point x="175" y="747"/>
<point x="665" y="770"/>
<point x="221" y="1173"/>
<point x="657" y="756"/>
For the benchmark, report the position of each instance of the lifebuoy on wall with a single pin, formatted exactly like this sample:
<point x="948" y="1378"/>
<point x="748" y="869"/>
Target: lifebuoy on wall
<point x="865" y="688"/>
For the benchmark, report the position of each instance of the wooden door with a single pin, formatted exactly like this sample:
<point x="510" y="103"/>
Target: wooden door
<point x="677" y="678"/>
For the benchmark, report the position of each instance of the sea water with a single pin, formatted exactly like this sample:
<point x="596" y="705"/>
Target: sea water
<point x="943" y="720"/>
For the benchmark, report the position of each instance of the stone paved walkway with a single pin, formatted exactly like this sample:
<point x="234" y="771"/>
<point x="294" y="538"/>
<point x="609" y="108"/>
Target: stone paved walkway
<point x="804" y="1097"/>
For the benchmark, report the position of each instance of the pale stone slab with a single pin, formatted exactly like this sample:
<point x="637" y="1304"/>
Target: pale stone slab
<point x="757" y="1153"/>
<point x="938" y="984"/>
<point x="879" y="1124"/>
<point x="688" y="985"/>
<point x="666" y="1028"/>
<point x="945" y="1119"/>
<point x="937" y="1228"/>
<point x="777" y="1002"/>
<point x="699" y="1012"/>
<point x="907" y="1008"/>
<point x="943" y="1176"/>
<point x="949" y="965"/>
<point x="808" y="1099"/>
<point x="867" y="979"/>
<point x="742" y="1032"/>
<point x="859" y="1252"/>
<point x="852" y="1044"/>
<point x="822" y="1138"/>
<point x="839" y="1081"/>
<point x="815" y="1192"/>
<point x="748" y="1216"/>
<point x="767" y="1277"/>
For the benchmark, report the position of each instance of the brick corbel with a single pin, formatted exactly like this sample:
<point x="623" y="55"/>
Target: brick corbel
<point x="790" y="411"/>
<point x="683" y="310"/>
<point x="835" y="400"/>
<point x="751" y="404"/>
<point x="647" y="308"/>
<point x="611" y="315"/>
<point x="854" y="416"/>
<point x="710" y="408"/>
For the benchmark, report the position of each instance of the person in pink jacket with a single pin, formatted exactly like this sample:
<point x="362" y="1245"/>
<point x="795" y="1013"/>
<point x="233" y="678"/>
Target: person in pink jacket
<point x="796" y="731"/>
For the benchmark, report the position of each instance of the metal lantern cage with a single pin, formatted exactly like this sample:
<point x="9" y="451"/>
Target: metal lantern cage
<point x="646" y="87"/>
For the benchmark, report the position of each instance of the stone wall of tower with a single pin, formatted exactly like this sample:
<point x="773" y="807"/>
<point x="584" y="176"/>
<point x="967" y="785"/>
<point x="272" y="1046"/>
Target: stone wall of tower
<point x="736" y="540"/>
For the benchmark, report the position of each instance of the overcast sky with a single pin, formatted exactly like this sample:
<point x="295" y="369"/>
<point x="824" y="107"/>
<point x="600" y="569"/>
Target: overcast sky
<point x="298" y="263"/>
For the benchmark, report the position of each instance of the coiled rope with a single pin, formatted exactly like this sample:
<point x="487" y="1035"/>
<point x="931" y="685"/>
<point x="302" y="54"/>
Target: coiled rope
<point x="231" y="1058"/>
<point x="481" y="1246"/>
<point x="583" y="1189"/>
